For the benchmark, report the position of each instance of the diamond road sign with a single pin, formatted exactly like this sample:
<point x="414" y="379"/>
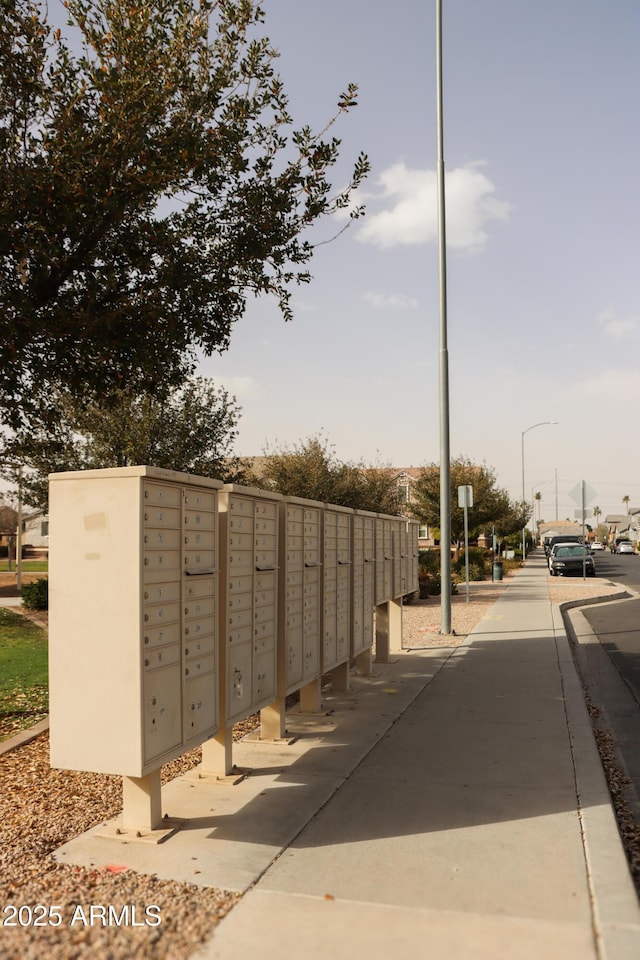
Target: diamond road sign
<point x="589" y="493"/>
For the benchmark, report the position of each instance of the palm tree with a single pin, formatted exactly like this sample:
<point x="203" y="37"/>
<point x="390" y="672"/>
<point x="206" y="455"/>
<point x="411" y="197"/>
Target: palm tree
<point x="626" y="500"/>
<point x="596" y="512"/>
<point x="538" y="498"/>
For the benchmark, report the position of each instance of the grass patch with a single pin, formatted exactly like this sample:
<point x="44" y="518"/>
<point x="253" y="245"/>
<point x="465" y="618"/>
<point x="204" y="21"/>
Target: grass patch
<point x="24" y="682"/>
<point x="28" y="566"/>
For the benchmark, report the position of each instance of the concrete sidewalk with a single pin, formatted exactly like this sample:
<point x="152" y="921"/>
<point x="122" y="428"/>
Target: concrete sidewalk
<point x="474" y="823"/>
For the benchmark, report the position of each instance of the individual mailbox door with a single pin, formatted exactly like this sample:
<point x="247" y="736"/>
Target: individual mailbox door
<point x="300" y="591"/>
<point x="249" y="606"/>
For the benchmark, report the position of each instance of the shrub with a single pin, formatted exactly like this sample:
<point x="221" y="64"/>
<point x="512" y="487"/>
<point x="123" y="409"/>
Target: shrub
<point x="35" y="596"/>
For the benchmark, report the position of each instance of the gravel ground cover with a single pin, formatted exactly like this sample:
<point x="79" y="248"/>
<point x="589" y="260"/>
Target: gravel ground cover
<point x="64" y="907"/>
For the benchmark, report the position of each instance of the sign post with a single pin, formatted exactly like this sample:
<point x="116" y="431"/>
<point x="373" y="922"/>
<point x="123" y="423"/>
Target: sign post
<point x="465" y="500"/>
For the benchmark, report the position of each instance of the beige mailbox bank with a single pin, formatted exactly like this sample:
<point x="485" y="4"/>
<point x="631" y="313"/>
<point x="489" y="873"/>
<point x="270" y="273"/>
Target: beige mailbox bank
<point x="133" y="651"/>
<point x="179" y="606"/>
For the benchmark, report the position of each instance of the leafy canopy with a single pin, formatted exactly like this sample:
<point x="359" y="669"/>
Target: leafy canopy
<point x="491" y="504"/>
<point x="311" y="470"/>
<point x="191" y="429"/>
<point x="149" y="183"/>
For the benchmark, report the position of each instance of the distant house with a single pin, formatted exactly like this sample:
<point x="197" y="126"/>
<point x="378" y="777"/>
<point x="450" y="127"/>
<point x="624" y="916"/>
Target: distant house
<point x="624" y="524"/>
<point x="35" y="530"/>
<point x="405" y="479"/>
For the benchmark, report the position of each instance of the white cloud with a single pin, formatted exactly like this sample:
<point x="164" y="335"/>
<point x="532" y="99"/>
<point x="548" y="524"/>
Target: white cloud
<point x="412" y="216"/>
<point x="381" y="301"/>
<point x="614" y="384"/>
<point x="239" y="387"/>
<point x="616" y="327"/>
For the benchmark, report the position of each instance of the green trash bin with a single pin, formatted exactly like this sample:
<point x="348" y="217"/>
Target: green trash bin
<point x="497" y="570"/>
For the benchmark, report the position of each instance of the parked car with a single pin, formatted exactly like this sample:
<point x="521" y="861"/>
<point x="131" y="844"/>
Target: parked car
<point x="596" y="545"/>
<point x="571" y="558"/>
<point x="550" y="542"/>
<point x="625" y="546"/>
<point x="561" y="543"/>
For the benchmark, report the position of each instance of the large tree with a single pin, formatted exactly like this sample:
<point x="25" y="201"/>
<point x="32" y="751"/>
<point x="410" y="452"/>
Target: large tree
<point x="191" y="429"/>
<point x="312" y="470"/>
<point x="149" y="183"/>
<point x="492" y="507"/>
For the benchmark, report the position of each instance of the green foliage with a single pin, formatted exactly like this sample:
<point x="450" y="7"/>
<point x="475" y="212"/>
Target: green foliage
<point x="191" y="429"/>
<point x="23" y="673"/>
<point x="150" y="184"/>
<point x="479" y="564"/>
<point x="35" y="596"/>
<point x="312" y="470"/>
<point x="492" y="507"/>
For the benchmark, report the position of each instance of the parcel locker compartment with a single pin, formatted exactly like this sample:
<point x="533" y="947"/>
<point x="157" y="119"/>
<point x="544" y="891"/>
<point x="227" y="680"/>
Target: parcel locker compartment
<point x="158" y="636"/>
<point x="157" y="538"/>
<point x="199" y="646"/>
<point x="198" y="666"/>
<point x="162" y="711"/>
<point x="157" y="614"/>
<point x="200" y="711"/>
<point x="264" y="679"/>
<point x="161" y="494"/>
<point x="199" y="607"/>
<point x="161" y="656"/>
<point x="239" y="680"/>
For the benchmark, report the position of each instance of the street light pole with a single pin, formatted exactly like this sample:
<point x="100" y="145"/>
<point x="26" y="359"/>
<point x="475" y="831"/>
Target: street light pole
<point x="524" y="529"/>
<point x="445" y="460"/>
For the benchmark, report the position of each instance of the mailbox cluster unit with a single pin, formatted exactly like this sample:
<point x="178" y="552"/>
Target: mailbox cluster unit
<point x="133" y="606"/>
<point x="179" y="605"/>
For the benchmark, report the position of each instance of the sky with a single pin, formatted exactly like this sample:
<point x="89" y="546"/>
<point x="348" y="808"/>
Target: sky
<point x="542" y="153"/>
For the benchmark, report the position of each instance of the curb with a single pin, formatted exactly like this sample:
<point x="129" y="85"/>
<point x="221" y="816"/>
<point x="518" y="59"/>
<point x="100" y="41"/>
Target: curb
<point x="25" y="736"/>
<point x="616" y="910"/>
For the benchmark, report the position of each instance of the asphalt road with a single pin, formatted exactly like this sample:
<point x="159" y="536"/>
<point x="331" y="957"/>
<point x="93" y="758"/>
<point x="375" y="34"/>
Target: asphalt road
<point x="618" y="625"/>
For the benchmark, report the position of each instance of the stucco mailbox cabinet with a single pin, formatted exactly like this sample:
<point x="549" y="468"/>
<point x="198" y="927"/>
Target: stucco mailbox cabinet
<point x="133" y="649"/>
